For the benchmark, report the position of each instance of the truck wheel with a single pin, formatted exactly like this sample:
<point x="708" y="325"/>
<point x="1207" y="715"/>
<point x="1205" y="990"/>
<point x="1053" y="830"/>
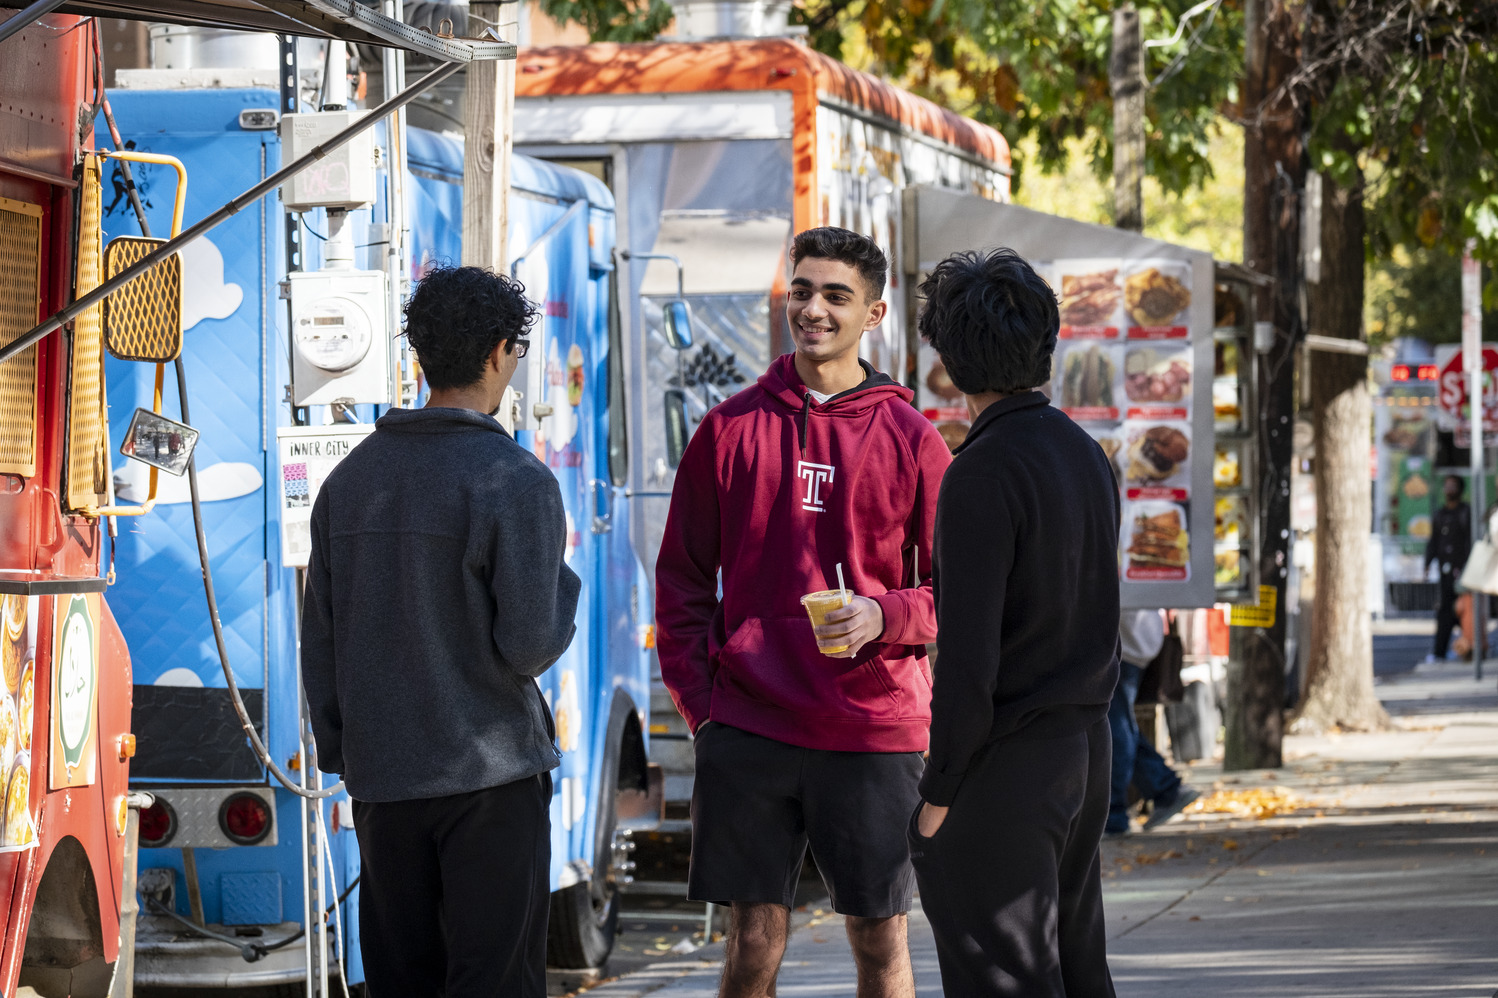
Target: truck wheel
<point x="584" y="917"/>
<point x="580" y="933"/>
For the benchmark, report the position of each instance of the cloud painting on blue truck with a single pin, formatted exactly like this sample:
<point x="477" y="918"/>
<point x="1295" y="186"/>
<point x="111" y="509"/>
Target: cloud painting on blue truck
<point x="236" y="357"/>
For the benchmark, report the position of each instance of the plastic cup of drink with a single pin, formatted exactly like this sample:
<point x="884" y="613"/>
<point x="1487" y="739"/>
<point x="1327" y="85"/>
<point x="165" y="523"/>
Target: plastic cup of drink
<point x="818" y="605"/>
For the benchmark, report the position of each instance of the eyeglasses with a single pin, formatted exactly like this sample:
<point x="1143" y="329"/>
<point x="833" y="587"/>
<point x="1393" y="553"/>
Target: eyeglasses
<point x="519" y="347"/>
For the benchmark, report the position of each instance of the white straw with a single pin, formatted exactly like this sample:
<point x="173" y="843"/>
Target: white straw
<point x="842" y="590"/>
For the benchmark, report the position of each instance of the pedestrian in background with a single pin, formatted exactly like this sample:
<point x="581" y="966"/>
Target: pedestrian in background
<point x="1025" y="576"/>
<point x="1449" y="545"/>
<point x="436" y="592"/>
<point x="806" y="735"/>
<point x="1143" y="645"/>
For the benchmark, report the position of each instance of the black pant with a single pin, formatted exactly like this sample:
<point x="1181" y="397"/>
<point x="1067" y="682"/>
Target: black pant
<point x="1011" y="880"/>
<point x="454" y="893"/>
<point x="1445" y="614"/>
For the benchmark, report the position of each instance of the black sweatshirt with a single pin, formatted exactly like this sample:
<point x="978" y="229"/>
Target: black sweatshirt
<point x="1450" y="541"/>
<point x="436" y="592"/>
<point x="1025" y="573"/>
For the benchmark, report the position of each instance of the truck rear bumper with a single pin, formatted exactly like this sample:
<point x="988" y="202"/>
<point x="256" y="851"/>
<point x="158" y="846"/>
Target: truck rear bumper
<point x="167" y="956"/>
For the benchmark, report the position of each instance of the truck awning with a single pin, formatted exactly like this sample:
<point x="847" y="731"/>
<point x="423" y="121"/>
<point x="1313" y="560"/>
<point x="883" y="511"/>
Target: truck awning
<point x="345" y="19"/>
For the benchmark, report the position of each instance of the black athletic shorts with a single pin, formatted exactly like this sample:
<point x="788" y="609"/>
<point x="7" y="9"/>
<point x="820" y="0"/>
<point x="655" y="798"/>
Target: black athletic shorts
<point x="757" y="803"/>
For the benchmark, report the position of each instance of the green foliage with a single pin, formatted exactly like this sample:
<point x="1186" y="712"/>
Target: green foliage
<point x="612" y="20"/>
<point x="1039" y="70"/>
<point x="1418" y="293"/>
<point x="1428" y="141"/>
<point x="1209" y="218"/>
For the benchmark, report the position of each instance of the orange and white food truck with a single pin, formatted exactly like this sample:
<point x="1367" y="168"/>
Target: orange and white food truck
<point x="718" y="150"/>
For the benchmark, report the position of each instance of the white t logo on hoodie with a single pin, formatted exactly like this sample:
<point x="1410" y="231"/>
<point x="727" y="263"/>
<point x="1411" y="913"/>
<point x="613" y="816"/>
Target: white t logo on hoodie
<point x="816" y="476"/>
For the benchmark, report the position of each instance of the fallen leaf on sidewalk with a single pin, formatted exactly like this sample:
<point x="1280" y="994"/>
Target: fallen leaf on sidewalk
<point x="1257" y="802"/>
<point x="1230" y="845"/>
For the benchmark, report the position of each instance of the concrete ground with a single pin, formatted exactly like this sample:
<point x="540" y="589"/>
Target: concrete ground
<point x="1375" y="873"/>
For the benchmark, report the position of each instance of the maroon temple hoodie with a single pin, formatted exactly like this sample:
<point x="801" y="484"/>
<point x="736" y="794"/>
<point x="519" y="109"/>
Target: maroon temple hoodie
<point x="776" y="490"/>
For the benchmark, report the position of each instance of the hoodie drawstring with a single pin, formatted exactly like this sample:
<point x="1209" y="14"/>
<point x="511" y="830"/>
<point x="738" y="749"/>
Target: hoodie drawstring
<point x="805" y="412"/>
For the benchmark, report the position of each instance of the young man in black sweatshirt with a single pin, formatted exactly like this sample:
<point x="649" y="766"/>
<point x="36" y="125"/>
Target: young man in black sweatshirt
<point x="1015" y="792"/>
<point x="436" y="593"/>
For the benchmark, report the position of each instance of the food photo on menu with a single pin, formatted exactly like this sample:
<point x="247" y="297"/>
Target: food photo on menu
<point x="1086" y="386"/>
<point x="1158" y="543"/>
<point x="1091" y="297"/>
<point x="1158" y="381"/>
<point x="1157" y="460"/>
<point x="17" y="710"/>
<point x="1157" y="297"/>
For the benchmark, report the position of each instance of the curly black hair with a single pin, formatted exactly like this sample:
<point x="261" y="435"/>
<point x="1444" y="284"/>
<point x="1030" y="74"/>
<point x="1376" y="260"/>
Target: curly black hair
<point x="458" y="315"/>
<point x="992" y="319"/>
<point x="845" y="246"/>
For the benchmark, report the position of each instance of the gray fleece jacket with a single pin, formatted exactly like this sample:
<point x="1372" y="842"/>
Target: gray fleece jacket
<point x="436" y="592"/>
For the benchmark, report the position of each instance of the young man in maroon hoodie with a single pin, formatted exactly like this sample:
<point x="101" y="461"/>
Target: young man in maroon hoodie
<point x="823" y="461"/>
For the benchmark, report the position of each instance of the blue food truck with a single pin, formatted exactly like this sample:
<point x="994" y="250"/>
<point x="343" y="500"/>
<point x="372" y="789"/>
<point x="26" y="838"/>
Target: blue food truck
<point x="233" y="867"/>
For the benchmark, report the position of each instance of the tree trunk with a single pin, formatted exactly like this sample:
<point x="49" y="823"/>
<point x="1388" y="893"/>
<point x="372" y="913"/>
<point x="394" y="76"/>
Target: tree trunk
<point x="1339" y="675"/>
<point x="1274" y="171"/>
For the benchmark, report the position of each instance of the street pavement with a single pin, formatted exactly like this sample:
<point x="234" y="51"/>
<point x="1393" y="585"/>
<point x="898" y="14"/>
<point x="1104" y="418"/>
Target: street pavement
<point x="1374" y="873"/>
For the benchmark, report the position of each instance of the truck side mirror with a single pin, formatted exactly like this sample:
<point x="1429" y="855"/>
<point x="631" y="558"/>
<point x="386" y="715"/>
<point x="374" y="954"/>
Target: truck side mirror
<point x="160" y="442"/>
<point x="678" y="319"/>
<point x="676" y="425"/>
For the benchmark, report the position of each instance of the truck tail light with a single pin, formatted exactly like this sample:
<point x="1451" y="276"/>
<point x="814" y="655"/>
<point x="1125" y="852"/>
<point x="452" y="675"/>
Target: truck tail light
<point x="244" y="818"/>
<point x="158" y="823"/>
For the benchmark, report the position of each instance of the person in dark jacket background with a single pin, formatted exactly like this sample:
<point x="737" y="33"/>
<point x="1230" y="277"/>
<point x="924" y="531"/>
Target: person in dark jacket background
<point x="1449" y="545"/>
<point x="436" y="593"/>
<point x="1025" y="577"/>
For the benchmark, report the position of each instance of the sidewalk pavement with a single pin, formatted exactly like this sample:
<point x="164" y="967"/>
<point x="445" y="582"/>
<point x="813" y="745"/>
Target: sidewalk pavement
<point x="1374" y="873"/>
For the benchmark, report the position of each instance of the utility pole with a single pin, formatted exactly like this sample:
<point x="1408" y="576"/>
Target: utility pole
<point x="1274" y="178"/>
<point x="488" y="111"/>
<point x="1126" y="80"/>
<point x="1472" y="363"/>
<point x="488" y="116"/>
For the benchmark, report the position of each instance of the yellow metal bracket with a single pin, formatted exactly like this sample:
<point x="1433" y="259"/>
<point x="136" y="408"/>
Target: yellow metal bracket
<point x="179" y="207"/>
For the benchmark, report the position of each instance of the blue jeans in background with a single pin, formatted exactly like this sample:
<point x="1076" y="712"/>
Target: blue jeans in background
<point x="1134" y="759"/>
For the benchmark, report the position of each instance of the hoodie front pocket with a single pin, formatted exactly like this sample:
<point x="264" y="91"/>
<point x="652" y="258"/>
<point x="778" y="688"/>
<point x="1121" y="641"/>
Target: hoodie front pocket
<point x="775" y="660"/>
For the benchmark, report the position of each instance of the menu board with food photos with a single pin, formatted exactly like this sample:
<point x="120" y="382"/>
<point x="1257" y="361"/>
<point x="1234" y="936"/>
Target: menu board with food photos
<point x="1124" y="368"/>
<point x="1132" y="366"/>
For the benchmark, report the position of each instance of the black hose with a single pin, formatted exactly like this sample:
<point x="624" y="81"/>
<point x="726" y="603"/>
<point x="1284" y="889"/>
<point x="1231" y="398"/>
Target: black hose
<point x="251" y="951"/>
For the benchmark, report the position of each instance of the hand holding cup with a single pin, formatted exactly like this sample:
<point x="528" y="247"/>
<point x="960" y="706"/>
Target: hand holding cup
<point x="844" y="630"/>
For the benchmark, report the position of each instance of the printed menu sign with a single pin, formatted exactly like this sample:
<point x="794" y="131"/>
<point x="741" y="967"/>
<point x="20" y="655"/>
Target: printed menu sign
<point x="1124" y="369"/>
<point x="1133" y="364"/>
<point x="308" y="455"/>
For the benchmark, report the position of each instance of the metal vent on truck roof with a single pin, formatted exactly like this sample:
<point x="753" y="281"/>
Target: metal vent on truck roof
<point x="697" y="20"/>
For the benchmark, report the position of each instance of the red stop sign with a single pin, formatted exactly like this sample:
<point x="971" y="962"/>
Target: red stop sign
<point x="1451" y="390"/>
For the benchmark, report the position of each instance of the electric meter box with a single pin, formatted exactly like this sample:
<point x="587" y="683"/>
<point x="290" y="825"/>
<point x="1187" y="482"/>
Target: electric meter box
<point x="340" y="340"/>
<point x="344" y="178"/>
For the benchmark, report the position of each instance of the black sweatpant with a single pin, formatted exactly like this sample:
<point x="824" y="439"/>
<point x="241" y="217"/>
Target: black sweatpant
<point x="454" y="893"/>
<point x="1011" y="880"/>
<point x="1445" y="613"/>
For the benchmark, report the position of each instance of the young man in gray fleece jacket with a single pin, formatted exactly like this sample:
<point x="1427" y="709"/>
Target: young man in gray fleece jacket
<point x="436" y="592"/>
